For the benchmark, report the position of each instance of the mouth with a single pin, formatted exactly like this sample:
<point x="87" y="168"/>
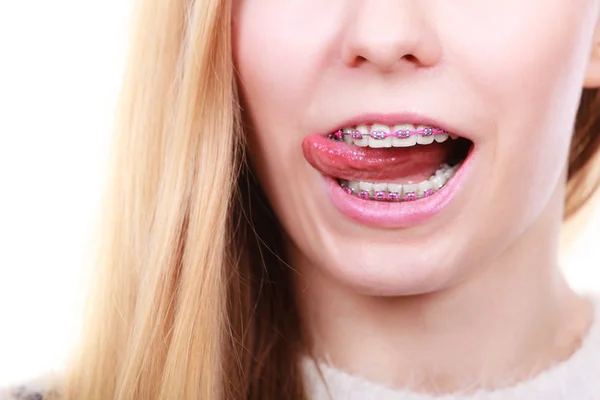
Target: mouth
<point x="387" y="166"/>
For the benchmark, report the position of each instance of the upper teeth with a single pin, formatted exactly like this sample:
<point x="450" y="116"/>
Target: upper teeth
<point x="379" y="136"/>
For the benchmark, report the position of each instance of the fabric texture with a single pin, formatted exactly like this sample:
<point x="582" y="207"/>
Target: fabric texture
<point x="577" y="378"/>
<point x="41" y="388"/>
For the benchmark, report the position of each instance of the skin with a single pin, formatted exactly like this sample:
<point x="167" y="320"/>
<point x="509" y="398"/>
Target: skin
<point x="473" y="296"/>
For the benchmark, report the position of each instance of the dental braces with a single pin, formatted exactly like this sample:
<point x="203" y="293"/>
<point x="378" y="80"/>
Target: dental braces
<point x="380" y="135"/>
<point x="388" y="196"/>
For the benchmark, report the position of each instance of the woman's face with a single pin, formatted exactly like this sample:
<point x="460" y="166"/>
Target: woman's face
<point x="372" y="206"/>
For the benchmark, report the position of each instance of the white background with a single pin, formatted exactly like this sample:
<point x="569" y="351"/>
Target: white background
<point x="60" y="69"/>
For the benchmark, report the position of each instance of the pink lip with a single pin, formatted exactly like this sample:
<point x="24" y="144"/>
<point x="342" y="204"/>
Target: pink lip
<point x="401" y="214"/>
<point x="396" y="215"/>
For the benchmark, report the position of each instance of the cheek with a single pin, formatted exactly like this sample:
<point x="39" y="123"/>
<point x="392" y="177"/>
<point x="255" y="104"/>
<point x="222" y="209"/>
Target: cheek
<point x="279" y="59"/>
<point x="524" y="71"/>
<point x="278" y="53"/>
<point x="527" y="77"/>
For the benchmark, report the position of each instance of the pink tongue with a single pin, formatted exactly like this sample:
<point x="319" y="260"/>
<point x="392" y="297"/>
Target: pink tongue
<point x="392" y="165"/>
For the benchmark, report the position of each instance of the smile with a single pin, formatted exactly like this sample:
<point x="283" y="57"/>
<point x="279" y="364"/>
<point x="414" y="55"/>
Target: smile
<point x="390" y="175"/>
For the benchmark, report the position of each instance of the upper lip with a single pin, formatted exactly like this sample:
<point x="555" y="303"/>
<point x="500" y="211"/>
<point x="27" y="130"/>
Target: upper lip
<point x="397" y="119"/>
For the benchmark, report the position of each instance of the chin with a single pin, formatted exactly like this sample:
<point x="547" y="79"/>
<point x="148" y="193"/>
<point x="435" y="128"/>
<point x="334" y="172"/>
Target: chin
<point x="395" y="266"/>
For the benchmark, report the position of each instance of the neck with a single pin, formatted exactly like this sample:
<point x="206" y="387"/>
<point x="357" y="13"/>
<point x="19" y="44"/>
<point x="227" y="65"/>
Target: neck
<point x="509" y="321"/>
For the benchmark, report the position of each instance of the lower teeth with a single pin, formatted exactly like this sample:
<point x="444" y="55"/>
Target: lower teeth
<point x="394" y="192"/>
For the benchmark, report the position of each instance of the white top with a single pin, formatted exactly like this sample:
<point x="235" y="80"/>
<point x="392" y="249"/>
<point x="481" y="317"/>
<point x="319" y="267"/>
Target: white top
<point x="577" y="378"/>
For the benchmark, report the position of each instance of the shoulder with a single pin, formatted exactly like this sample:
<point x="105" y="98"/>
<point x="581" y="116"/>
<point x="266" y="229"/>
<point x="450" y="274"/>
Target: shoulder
<point x="41" y="388"/>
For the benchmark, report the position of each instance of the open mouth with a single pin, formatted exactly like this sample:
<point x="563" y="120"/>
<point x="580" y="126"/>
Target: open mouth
<point x="383" y="163"/>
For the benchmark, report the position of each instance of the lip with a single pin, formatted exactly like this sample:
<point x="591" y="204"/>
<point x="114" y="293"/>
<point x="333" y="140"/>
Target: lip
<point x="392" y="215"/>
<point x="396" y="119"/>
<point x="389" y="215"/>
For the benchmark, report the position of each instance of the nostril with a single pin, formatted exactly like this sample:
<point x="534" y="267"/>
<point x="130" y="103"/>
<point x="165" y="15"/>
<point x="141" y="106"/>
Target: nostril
<point x="411" y="58"/>
<point x="360" y="60"/>
<point x="383" y="60"/>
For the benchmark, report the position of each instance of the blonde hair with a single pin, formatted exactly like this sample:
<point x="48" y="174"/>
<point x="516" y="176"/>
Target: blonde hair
<point x="157" y="302"/>
<point x="191" y="298"/>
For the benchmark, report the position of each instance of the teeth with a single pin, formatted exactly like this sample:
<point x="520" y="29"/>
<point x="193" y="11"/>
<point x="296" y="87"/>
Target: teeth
<point x="441" y="176"/>
<point x="384" y="136"/>
<point x="394" y="188"/>
<point x="421" y="190"/>
<point x="412" y="188"/>
<point x="451" y="171"/>
<point x="347" y="137"/>
<point x="365" y="187"/>
<point x="441" y="138"/>
<point x="423" y="187"/>
<point x="364" y="130"/>
<point x="424" y="139"/>
<point x="354" y="185"/>
<point x="435" y="183"/>
<point x="380" y="143"/>
<point x="409" y="142"/>
<point x="380" y="187"/>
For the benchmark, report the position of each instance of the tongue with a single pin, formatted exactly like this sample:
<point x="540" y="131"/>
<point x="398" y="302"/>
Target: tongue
<point x="392" y="165"/>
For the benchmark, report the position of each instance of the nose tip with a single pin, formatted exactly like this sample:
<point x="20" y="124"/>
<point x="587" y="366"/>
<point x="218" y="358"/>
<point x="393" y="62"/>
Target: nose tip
<point x="387" y="56"/>
<point x="387" y="37"/>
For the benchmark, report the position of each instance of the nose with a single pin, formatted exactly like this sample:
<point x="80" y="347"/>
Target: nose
<point x="390" y="33"/>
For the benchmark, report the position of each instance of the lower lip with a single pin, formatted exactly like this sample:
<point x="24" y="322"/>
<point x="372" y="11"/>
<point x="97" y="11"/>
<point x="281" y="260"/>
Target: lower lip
<point x="382" y="214"/>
